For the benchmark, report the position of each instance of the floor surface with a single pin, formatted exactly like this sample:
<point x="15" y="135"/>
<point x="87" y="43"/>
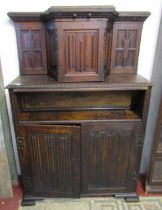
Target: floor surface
<point x="147" y="202"/>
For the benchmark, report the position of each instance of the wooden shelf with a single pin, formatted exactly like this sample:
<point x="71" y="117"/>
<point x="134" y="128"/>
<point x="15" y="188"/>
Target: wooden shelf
<point x="78" y="116"/>
<point x="47" y="83"/>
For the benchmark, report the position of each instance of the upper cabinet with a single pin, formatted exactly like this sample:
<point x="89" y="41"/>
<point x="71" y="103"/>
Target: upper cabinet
<point x="126" y="42"/>
<point x="31" y="47"/>
<point x="82" y="43"/>
<point x="79" y="50"/>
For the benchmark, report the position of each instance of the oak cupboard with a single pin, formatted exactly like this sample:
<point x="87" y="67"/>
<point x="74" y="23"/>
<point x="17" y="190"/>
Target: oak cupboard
<point x="79" y="108"/>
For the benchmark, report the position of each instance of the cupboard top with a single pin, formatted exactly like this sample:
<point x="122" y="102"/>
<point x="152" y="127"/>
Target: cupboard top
<point x="54" y="12"/>
<point x="112" y="82"/>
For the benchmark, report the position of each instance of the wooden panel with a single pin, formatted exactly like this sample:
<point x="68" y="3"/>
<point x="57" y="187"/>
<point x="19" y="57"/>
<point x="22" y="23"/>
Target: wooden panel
<point x="76" y="100"/>
<point x="109" y="158"/>
<point x="81" y="50"/>
<point x="77" y="116"/>
<point x="157" y="171"/>
<point x="50" y="160"/>
<point x="125" y="47"/>
<point x="31" y="47"/>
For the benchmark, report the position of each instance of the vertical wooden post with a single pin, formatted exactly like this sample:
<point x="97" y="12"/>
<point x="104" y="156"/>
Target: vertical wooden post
<point x="7" y="162"/>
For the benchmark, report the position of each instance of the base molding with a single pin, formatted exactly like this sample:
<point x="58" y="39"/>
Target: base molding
<point x="30" y="201"/>
<point x="154" y="188"/>
<point x="128" y="197"/>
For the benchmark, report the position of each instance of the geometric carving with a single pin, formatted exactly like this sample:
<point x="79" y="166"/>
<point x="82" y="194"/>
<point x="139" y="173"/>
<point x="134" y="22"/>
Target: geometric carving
<point x="32" y="51"/>
<point x="125" y="47"/>
<point x="139" y="140"/>
<point x="20" y="147"/>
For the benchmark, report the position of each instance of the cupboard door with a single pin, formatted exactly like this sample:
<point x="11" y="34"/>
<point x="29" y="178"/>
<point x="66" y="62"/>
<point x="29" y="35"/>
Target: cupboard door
<point x="50" y="160"/>
<point x="109" y="158"/>
<point x="31" y="47"/>
<point x="125" y="47"/>
<point x="81" y="50"/>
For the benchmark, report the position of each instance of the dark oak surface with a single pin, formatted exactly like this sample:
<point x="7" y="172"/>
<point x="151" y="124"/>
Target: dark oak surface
<point x="79" y="131"/>
<point x="41" y="112"/>
<point x="113" y="81"/>
<point x="84" y="43"/>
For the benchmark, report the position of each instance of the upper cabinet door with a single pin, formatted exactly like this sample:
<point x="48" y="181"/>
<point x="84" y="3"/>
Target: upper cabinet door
<point x="125" y="47"/>
<point x="109" y="157"/>
<point x="81" y="50"/>
<point x="50" y="160"/>
<point x="31" y="47"/>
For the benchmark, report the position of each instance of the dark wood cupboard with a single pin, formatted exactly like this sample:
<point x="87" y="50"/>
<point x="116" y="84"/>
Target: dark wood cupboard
<point x="79" y="127"/>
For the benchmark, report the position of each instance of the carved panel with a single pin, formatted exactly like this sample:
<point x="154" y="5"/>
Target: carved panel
<point x="31" y="45"/>
<point x="20" y="147"/>
<point x="108" y="159"/>
<point x="125" y="48"/>
<point x="81" y="51"/>
<point x="51" y="160"/>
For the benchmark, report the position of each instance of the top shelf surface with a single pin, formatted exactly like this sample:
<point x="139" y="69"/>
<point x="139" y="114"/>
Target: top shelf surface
<point x="112" y="82"/>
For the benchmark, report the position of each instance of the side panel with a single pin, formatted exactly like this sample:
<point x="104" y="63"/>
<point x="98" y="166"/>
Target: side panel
<point x="31" y="47"/>
<point x="125" y="47"/>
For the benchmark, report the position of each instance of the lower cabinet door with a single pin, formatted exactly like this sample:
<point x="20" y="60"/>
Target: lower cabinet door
<point x="50" y="160"/>
<point x="109" y="157"/>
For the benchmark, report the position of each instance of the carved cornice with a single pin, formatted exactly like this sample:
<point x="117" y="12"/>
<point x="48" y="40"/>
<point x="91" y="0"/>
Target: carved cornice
<point x="25" y="16"/>
<point x="58" y="12"/>
<point x="132" y="16"/>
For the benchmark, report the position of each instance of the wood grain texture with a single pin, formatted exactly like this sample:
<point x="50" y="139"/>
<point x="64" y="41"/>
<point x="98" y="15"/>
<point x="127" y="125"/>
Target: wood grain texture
<point x="107" y="157"/>
<point x="31" y="47"/>
<point x="50" y="157"/>
<point x="125" y="47"/>
<point x="46" y="83"/>
<point x="80" y="130"/>
<point x="80" y="50"/>
<point x="76" y="100"/>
